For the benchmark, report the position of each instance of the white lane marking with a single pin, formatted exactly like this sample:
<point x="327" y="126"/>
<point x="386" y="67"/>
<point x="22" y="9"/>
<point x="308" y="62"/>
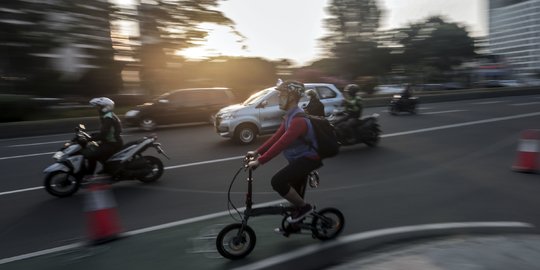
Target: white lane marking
<point x="462" y="124"/>
<point x="29" y="155"/>
<point x="40" y="253"/>
<point x="525" y="104"/>
<point x="19" y="190"/>
<point x="33" y="144"/>
<point x="488" y="102"/>
<point x="382" y="136"/>
<point x="51" y="142"/>
<point x="449" y="111"/>
<point x="202" y="162"/>
<point x="166" y="168"/>
<point x="134" y="232"/>
<point x="275" y="260"/>
<point x="420" y="108"/>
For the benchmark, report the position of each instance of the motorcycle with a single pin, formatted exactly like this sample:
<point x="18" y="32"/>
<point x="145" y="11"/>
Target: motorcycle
<point x="64" y="177"/>
<point x="367" y="131"/>
<point x="399" y="104"/>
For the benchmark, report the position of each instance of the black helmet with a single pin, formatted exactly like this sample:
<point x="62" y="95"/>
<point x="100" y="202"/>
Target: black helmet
<point x="311" y="93"/>
<point x="351" y="89"/>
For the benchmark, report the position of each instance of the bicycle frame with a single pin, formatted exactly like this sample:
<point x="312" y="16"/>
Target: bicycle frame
<point x="237" y="240"/>
<point x="267" y="210"/>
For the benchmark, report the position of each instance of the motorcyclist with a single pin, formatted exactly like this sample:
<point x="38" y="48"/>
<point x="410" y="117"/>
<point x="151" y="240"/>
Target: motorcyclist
<point x="315" y="106"/>
<point x="407" y="92"/>
<point x="353" y="109"/>
<point x="108" y="138"/>
<point x="290" y="139"/>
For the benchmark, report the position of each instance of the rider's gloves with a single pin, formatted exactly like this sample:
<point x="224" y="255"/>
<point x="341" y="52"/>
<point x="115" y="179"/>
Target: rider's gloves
<point x="252" y="154"/>
<point x="253" y="164"/>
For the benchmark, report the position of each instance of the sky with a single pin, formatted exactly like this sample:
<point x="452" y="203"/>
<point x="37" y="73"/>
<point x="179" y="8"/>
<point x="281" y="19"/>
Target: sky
<point x="290" y="29"/>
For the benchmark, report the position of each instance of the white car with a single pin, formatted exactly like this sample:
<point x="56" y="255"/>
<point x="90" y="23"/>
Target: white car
<point x="389" y="89"/>
<point x="260" y="113"/>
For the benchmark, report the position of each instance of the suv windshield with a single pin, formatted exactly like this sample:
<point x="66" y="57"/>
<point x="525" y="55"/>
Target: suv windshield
<point x="255" y="98"/>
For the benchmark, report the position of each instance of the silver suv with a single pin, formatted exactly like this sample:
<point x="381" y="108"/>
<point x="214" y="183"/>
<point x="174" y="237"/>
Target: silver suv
<point x="260" y="113"/>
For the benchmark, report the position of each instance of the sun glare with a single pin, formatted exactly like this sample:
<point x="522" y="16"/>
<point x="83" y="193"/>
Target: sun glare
<point x="221" y="41"/>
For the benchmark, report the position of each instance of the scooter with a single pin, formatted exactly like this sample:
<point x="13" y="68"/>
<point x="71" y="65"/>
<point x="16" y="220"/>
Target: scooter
<point x="399" y="104"/>
<point x="64" y="177"/>
<point x="367" y="131"/>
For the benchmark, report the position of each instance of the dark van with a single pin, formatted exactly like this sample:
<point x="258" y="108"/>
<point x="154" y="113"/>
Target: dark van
<point x="180" y="106"/>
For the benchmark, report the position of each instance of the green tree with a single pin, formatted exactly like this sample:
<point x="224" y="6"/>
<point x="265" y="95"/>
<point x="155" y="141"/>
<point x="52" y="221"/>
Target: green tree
<point x="169" y="26"/>
<point x="352" y="40"/>
<point x="435" y="46"/>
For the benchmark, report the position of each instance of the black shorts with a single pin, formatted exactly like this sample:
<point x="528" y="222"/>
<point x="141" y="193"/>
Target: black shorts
<point x="294" y="175"/>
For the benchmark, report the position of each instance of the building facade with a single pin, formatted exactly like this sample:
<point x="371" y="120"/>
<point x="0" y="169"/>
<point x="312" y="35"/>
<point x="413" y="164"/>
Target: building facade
<point x="514" y="34"/>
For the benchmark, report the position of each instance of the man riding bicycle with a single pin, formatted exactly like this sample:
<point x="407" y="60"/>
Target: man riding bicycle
<point x="291" y="139"/>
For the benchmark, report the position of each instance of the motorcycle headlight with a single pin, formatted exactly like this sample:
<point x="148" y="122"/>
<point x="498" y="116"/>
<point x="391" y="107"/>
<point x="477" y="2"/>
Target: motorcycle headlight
<point x="58" y="155"/>
<point x="228" y="116"/>
<point x="132" y="113"/>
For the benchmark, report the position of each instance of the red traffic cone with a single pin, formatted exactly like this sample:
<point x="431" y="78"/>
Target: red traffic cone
<point x="100" y="208"/>
<point x="528" y="148"/>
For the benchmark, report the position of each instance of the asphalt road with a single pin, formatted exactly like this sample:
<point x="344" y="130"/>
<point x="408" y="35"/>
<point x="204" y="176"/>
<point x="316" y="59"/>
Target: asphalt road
<point x="449" y="163"/>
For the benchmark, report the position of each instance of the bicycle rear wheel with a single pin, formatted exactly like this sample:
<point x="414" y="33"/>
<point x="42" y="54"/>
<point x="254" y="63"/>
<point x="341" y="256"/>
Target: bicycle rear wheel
<point x="327" y="223"/>
<point x="235" y="241"/>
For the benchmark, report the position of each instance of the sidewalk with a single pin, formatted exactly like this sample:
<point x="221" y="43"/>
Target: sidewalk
<point x="504" y="252"/>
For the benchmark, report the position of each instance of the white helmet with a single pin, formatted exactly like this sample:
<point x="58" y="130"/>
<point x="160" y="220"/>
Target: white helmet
<point x="105" y="104"/>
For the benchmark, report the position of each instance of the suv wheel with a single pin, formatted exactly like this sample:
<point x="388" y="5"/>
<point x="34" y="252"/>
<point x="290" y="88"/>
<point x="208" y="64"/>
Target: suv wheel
<point x="147" y="124"/>
<point x="245" y="134"/>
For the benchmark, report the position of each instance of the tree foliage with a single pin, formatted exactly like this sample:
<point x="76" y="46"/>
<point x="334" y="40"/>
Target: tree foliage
<point x="167" y="26"/>
<point x="352" y="41"/>
<point x="435" y="44"/>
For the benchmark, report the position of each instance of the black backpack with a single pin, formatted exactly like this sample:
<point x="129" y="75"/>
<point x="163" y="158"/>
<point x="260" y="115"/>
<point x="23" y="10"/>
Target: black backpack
<point x="325" y="134"/>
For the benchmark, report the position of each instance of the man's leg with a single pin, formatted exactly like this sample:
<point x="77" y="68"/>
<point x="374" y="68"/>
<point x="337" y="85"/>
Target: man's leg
<point x="292" y="177"/>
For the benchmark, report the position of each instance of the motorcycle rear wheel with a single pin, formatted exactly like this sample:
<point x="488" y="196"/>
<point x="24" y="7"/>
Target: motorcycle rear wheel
<point x="61" y="184"/>
<point x="156" y="169"/>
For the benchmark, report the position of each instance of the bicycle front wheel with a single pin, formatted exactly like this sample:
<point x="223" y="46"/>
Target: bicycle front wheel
<point x="235" y="241"/>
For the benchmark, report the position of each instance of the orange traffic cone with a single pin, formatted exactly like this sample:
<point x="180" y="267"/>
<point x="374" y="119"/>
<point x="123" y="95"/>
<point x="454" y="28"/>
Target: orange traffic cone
<point x="528" y="156"/>
<point x="100" y="208"/>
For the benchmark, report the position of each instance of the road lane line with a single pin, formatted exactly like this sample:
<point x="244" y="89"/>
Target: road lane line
<point x="202" y="162"/>
<point x="488" y="102"/>
<point x="461" y="124"/>
<point x="29" y="155"/>
<point x="449" y="111"/>
<point x="135" y="232"/>
<point x="525" y="104"/>
<point x="382" y="136"/>
<point x="368" y="235"/>
<point x="33" y="144"/>
<point x="19" y="190"/>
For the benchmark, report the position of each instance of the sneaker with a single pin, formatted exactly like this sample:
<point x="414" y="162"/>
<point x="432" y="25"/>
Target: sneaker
<point x="300" y="214"/>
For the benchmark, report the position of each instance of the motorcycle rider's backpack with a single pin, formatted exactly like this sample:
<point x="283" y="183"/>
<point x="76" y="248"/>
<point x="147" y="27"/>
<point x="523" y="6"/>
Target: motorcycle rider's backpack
<point x="325" y="134"/>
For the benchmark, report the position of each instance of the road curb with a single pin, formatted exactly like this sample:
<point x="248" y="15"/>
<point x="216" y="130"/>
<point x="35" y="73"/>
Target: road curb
<point x="333" y="252"/>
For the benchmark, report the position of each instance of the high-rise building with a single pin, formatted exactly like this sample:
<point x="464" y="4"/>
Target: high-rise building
<point x="514" y="34"/>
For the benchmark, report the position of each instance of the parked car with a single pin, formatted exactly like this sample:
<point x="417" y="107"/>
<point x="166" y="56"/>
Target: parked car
<point x="260" y="113"/>
<point x="180" y="106"/>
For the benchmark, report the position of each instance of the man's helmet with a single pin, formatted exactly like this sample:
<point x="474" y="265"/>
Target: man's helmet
<point x="291" y="87"/>
<point x="105" y="104"/>
<point x="311" y="93"/>
<point x="351" y="89"/>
